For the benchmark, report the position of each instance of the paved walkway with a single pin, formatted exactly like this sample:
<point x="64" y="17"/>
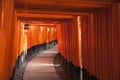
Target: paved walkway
<point x="42" y="67"/>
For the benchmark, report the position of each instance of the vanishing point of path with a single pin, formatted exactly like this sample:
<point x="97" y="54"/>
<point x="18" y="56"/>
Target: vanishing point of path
<point x="42" y="67"/>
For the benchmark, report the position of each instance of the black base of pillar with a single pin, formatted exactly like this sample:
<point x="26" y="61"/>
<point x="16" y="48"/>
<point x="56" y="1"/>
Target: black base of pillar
<point x="68" y="71"/>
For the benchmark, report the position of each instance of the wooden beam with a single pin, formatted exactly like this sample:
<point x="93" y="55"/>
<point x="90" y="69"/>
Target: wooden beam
<point x="53" y="16"/>
<point x="67" y="3"/>
<point x="51" y="12"/>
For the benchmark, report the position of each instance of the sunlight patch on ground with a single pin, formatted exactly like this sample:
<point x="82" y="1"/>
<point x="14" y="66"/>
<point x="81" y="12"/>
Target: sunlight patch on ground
<point x="50" y="52"/>
<point x="44" y="64"/>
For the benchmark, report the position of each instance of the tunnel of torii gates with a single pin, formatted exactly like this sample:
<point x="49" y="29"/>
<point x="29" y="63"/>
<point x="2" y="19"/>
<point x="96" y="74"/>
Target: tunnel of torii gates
<point x="87" y="32"/>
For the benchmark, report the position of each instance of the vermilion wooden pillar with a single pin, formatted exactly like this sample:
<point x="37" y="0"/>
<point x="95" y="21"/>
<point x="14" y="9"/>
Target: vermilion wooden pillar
<point x="0" y="12"/>
<point x="115" y="38"/>
<point x="16" y="40"/>
<point x="1" y="59"/>
<point x="5" y="38"/>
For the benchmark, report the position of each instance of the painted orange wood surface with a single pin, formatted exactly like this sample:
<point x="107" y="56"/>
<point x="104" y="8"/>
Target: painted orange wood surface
<point x="6" y="15"/>
<point x="68" y="41"/>
<point x="101" y="43"/>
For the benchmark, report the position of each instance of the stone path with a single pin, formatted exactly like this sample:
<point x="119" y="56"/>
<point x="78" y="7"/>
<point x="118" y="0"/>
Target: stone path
<point x="42" y="67"/>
